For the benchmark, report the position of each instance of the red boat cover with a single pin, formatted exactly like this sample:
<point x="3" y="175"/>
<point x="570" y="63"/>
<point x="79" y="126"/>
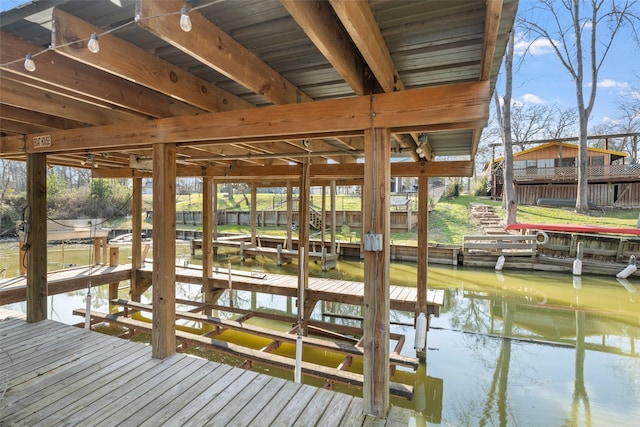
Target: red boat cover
<point x="574" y="228"/>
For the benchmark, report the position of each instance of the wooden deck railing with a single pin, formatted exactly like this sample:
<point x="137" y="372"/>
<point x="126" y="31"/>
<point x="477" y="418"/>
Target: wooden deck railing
<point x="570" y="173"/>
<point x="512" y="245"/>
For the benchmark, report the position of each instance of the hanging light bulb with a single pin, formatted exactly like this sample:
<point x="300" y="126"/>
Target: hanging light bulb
<point x="29" y="64"/>
<point x="93" y="44"/>
<point x="185" y="21"/>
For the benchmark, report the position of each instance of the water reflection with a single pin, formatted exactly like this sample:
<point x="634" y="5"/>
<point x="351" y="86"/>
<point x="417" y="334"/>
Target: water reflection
<point x="509" y="348"/>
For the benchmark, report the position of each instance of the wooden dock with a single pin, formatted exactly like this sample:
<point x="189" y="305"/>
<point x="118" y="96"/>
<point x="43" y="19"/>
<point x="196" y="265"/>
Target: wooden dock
<point x="14" y="289"/>
<point x="342" y="291"/>
<point x="242" y="244"/>
<point x="348" y="292"/>
<point x="57" y="374"/>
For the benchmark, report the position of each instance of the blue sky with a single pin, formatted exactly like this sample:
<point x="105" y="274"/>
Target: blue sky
<point x="540" y="78"/>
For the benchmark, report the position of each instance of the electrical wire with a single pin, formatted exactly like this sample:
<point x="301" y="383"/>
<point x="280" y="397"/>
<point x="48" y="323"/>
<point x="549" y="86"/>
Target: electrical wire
<point x="136" y="19"/>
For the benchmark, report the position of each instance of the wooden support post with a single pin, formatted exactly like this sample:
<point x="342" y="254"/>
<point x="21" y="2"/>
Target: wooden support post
<point x="254" y="213"/>
<point x="279" y="254"/>
<point x="96" y="248"/>
<point x="303" y="238"/>
<point x="22" y="253"/>
<point x="289" y="242"/>
<point x="114" y="255"/>
<point x="376" y="220"/>
<point x="163" y="337"/>
<point x="323" y="220"/>
<point x="332" y="204"/>
<point x="214" y="212"/>
<point x="136" y="238"/>
<point x="207" y="240"/>
<point x="36" y="241"/>
<point x="105" y="250"/>
<point x="363" y="202"/>
<point x="423" y="245"/>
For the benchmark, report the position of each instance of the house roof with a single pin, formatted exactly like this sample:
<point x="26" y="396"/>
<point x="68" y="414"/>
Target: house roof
<point x="255" y="83"/>
<point x="614" y="154"/>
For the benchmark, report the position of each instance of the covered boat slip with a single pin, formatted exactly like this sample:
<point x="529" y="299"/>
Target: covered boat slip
<point x="292" y="93"/>
<point x="56" y="374"/>
<point x="401" y="297"/>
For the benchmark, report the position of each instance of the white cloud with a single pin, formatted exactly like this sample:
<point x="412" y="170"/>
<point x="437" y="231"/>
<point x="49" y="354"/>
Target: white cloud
<point x="535" y="47"/>
<point x="608" y="83"/>
<point x="529" y="98"/>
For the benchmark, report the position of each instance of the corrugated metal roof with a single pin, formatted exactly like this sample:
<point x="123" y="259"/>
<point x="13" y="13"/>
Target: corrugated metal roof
<point x="430" y="42"/>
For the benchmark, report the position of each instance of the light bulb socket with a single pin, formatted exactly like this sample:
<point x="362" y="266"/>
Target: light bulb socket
<point x="29" y="63"/>
<point x="185" y="21"/>
<point x="93" y="44"/>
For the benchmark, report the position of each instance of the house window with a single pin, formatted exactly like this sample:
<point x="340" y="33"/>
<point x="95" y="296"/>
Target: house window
<point x="597" y="165"/>
<point x="532" y="167"/>
<point x="566" y="162"/>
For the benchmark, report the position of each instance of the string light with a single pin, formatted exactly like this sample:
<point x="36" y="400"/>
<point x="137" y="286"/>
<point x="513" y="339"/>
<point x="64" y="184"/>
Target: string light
<point x="29" y="64"/>
<point x="185" y="24"/>
<point x="93" y="44"/>
<point x="185" y="21"/>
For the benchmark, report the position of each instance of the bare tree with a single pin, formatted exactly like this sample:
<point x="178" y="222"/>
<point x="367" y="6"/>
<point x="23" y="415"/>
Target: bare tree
<point x="503" y="114"/>
<point x="571" y="48"/>
<point x="562" y="124"/>
<point x="529" y="122"/>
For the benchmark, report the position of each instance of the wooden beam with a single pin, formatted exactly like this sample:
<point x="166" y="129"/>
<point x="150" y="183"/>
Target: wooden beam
<point x="253" y="214"/>
<point x="70" y="75"/>
<point x="163" y="337"/>
<point x="224" y="54"/>
<point x="416" y="109"/>
<point x="319" y="24"/>
<point x="319" y="172"/>
<point x="376" y="220"/>
<point x="136" y="239"/>
<point x="303" y="244"/>
<point x="42" y="101"/>
<point x="137" y="65"/>
<point x="34" y="118"/>
<point x="36" y="241"/>
<point x="12" y="145"/>
<point x="208" y="208"/>
<point x="357" y="18"/>
<point x="423" y="252"/>
<point x="20" y="128"/>
<point x="491" y="31"/>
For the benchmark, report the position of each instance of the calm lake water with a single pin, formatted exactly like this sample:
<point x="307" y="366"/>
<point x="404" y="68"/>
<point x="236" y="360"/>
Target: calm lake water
<point x="510" y="348"/>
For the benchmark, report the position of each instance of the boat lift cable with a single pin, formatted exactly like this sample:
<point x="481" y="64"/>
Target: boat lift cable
<point x="92" y="228"/>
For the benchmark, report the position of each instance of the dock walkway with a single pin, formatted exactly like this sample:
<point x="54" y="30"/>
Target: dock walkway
<point x="342" y="291"/>
<point x="58" y="374"/>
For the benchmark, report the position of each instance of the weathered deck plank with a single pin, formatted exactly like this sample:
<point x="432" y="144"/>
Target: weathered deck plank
<point x="154" y="391"/>
<point x="98" y="380"/>
<point x="315" y="409"/>
<point x="257" y="404"/>
<point x="275" y="406"/>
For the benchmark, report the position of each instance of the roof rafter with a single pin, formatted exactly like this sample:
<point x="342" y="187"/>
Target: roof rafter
<point x="319" y="23"/>
<point x="58" y="71"/>
<point x="137" y="65"/>
<point x="213" y="47"/>
<point x="357" y="18"/>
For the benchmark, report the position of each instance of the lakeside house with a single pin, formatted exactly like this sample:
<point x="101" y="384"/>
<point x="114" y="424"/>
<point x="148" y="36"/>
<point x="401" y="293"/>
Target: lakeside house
<point x="550" y="171"/>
